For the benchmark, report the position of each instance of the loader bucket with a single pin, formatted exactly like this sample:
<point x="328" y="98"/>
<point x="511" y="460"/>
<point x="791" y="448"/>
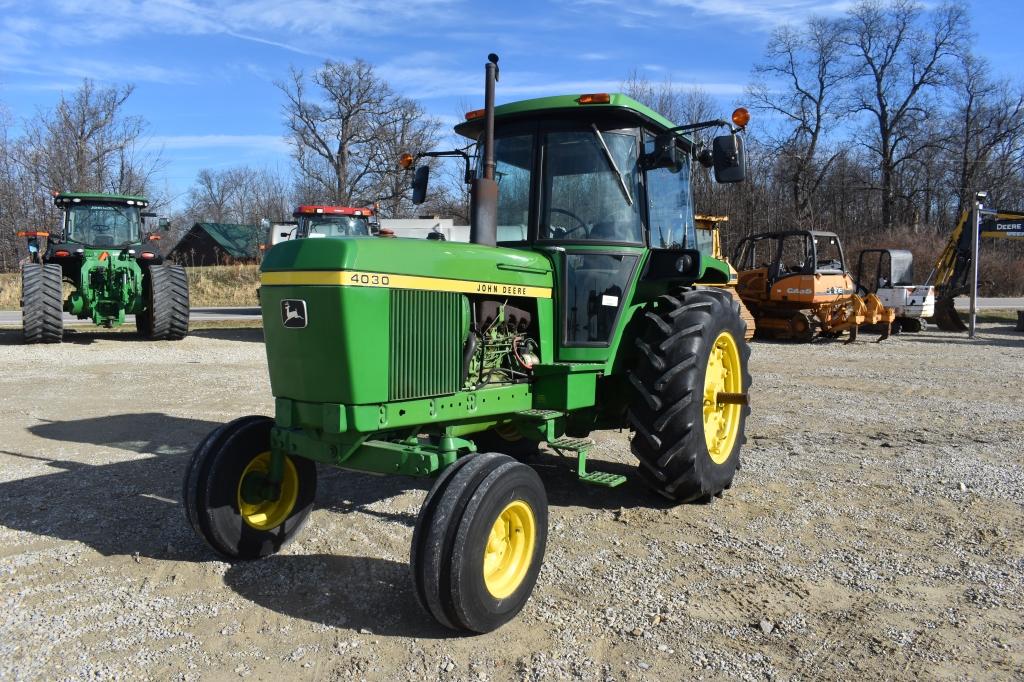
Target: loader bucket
<point x="946" y="317"/>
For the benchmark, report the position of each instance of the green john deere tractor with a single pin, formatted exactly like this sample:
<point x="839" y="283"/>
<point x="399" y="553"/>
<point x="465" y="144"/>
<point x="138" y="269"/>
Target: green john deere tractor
<point x="115" y="271"/>
<point x="575" y="307"/>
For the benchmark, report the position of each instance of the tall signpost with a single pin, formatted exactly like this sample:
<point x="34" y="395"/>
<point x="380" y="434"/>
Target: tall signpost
<point x="977" y="206"/>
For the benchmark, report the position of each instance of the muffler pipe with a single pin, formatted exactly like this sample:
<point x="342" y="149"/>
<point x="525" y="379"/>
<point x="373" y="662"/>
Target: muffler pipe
<point x="483" y="226"/>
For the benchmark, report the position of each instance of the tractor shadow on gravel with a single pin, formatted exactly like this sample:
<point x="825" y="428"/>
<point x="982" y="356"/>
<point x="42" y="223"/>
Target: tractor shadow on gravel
<point x="82" y="337"/>
<point x="357" y="592"/>
<point x="126" y="507"/>
<point x="85" y="336"/>
<point x="338" y="591"/>
<point x="249" y="334"/>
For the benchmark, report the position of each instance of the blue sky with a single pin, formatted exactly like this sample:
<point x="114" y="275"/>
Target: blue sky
<point x="204" y="70"/>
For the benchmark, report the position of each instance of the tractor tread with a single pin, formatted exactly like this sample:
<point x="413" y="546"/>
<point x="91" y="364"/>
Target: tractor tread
<point x="167" y="309"/>
<point x="42" y="303"/>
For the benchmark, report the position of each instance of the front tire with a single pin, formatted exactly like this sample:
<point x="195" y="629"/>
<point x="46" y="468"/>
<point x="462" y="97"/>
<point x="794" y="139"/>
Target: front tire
<point x="217" y="501"/>
<point x="42" y="303"/>
<point x="479" y="542"/>
<point x="692" y="352"/>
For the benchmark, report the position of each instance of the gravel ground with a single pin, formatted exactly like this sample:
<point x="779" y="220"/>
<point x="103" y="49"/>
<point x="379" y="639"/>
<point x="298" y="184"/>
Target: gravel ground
<point x="875" y="531"/>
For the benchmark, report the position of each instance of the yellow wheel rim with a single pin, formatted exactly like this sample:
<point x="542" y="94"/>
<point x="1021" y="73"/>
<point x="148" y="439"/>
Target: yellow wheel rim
<point x="508" y="432"/>
<point x="724" y="374"/>
<point x="509" y="550"/>
<point x="269" y="513"/>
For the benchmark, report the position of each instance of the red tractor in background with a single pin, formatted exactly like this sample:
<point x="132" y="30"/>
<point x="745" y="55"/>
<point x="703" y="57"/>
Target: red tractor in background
<point x="313" y="221"/>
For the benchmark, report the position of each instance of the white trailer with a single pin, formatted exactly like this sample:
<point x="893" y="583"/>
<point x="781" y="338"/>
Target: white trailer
<point x="426" y="228"/>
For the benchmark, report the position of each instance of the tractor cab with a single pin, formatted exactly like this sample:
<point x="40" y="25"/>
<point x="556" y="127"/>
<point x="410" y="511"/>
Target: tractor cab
<point x="313" y="222"/>
<point x="797" y="264"/>
<point x="102" y="224"/>
<point x="92" y="224"/>
<point x="601" y="184"/>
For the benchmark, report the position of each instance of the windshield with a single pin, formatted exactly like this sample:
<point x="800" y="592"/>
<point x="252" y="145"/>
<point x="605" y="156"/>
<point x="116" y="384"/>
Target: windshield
<point x="829" y="254"/>
<point x="585" y="198"/>
<point x="333" y="226"/>
<point x="103" y="225"/>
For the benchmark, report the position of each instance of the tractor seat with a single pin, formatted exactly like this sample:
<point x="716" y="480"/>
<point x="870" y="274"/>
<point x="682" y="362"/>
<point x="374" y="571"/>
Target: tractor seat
<point x="103" y="240"/>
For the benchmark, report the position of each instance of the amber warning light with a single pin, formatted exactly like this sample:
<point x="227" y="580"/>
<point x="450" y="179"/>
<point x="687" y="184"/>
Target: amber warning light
<point x="405" y="160"/>
<point x="595" y="98"/>
<point x="741" y="117"/>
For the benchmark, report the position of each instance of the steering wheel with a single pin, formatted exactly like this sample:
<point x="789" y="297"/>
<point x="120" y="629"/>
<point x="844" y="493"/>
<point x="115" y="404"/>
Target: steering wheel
<point x="98" y="227"/>
<point x="566" y="232"/>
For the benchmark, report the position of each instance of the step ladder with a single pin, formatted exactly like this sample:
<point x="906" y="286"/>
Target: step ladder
<point x="581" y="446"/>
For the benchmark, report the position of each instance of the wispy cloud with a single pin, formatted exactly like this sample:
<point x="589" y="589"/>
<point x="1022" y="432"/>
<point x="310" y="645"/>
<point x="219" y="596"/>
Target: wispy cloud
<point x="266" y="143"/>
<point x="762" y="13"/>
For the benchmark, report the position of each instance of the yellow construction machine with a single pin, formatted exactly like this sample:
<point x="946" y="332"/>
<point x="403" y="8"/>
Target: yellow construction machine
<point x="709" y="240"/>
<point x="797" y="287"/>
<point x="954" y="265"/>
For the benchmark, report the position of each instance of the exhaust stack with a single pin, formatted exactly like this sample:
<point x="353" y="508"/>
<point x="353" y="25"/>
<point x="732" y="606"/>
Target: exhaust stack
<point x="483" y="226"/>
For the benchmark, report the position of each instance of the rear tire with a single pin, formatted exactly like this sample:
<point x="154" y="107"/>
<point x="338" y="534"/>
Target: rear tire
<point x="213" y="499"/>
<point x="479" y="542"/>
<point x="165" y="289"/>
<point x="691" y="348"/>
<point x="42" y="303"/>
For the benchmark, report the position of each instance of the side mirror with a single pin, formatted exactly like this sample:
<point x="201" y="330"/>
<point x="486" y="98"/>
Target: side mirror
<point x="164" y="224"/>
<point x="728" y="159"/>
<point x="664" y="155"/>
<point x="419" y="185"/>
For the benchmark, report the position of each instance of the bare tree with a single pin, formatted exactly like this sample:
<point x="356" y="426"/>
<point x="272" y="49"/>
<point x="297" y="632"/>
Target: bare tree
<point x="801" y="81"/>
<point x="240" y="195"/>
<point x="88" y="144"/>
<point x="902" y="60"/>
<point x="988" y="121"/>
<point x="345" y="138"/>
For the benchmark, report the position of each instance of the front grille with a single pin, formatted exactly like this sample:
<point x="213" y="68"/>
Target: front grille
<point x="426" y="344"/>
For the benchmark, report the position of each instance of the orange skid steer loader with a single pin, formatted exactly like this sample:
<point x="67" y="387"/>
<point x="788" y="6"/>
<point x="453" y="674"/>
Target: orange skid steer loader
<point x="797" y="287"/>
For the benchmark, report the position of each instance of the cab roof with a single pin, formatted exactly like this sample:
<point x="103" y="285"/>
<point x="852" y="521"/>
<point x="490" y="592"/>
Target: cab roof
<point x="61" y="198"/>
<point x="307" y="209"/>
<point x="528" y="108"/>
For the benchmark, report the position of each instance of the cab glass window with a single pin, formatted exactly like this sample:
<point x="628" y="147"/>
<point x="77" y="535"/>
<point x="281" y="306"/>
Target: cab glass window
<point x="592" y="194"/>
<point x="513" y="171"/>
<point x="670" y="208"/>
<point x="103" y="225"/>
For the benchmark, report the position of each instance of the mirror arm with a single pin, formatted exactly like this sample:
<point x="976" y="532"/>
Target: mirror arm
<point x="452" y="152"/>
<point x="717" y="123"/>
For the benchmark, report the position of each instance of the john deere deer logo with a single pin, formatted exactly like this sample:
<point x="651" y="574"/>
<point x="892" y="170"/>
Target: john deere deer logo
<point x="293" y="313"/>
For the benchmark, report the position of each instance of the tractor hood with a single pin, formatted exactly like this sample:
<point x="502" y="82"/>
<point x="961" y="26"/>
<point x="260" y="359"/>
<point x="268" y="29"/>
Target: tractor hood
<point x="360" y="321"/>
<point x="419" y="259"/>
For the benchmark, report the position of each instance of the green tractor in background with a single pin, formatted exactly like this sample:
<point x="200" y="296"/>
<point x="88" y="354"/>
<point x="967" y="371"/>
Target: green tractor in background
<point x="576" y="307"/>
<point x="115" y="271"/>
